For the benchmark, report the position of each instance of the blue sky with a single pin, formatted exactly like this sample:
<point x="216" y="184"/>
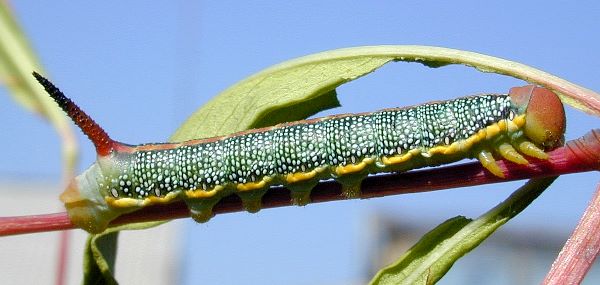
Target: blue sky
<point x="140" y="69"/>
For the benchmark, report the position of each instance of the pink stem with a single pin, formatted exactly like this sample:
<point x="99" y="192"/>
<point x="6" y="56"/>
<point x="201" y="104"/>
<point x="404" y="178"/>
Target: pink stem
<point x="35" y="224"/>
<point x="63" y="258"/>
<point x="580" y="251"/>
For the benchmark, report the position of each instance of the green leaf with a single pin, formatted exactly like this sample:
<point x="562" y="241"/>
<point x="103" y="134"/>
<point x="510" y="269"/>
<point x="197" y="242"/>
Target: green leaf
<point x="99" y="258"/>
<point x="101" y="252"/>
<point x="17" y="61"/>
<point x="295" y="112"/>
<point x="430" y="258"/>
<point x="294" y="83"/>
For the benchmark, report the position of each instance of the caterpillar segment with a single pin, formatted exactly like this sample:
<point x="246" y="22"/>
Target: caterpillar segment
<point x="524" y="123"/>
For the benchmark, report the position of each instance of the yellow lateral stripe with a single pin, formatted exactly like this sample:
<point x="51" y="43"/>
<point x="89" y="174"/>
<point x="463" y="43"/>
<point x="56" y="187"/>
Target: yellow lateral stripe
<point x="199" y="193"/>
<point x="300" y="176"/>
<point x="131" y="202"/>
<point x="452" y="148"/>
<point x="487" y="133"/>
<point x="123" y="202"/>
<point x="152" y="200"/>
<point x="439" y="149"/>
<point x="254" y="185"/>
<point x="353" y="168"/>
<point x="400" y="158"/>
<point x="502" y="125"/>
<point x="516" y="123"/>
<point x="492" y="131"/>
<point x="519" y="120"/>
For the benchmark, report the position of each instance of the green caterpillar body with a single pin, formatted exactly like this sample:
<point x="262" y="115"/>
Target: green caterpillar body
<point x="300" y="154"/>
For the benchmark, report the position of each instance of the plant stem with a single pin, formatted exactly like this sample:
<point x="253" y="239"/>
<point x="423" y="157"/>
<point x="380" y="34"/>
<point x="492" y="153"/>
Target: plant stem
<point x="580" y="251"/>
<point x="578" y="155"/>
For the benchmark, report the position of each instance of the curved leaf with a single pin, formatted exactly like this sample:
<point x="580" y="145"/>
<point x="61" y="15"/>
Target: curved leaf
<point x="17" y="61"/>
<point x="430" y="258"/>
<point x="99" y="258"/>
<point x="101" y="252"/>
<point x="295" y="82"/>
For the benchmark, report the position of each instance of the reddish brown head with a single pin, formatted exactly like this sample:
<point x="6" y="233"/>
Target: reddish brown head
<point x="103" y="143"/>
<point x="545" y="121"/>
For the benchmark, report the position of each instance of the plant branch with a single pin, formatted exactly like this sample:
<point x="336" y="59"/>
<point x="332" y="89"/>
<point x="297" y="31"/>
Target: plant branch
<point x="579" y="155"/>
<point x="580" y="251"/>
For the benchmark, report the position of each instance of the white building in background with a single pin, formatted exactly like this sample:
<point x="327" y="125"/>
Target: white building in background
<point x="33" y="258"/>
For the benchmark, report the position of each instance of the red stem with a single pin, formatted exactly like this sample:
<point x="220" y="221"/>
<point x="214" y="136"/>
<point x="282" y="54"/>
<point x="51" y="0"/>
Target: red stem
<point x="579" y="155"/>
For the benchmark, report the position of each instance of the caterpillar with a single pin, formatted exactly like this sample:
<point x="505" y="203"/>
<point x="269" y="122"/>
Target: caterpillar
<point x="526" y="122"/>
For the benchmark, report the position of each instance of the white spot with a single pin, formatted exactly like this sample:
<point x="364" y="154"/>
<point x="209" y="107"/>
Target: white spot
<point x="114" y="193"/>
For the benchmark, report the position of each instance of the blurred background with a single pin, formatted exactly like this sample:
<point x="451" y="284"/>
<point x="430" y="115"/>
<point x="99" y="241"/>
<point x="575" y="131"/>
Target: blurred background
<point x="141" y="69"/>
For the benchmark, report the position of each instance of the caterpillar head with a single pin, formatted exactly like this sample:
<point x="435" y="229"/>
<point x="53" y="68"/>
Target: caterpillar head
<point x="545" y="120"/>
